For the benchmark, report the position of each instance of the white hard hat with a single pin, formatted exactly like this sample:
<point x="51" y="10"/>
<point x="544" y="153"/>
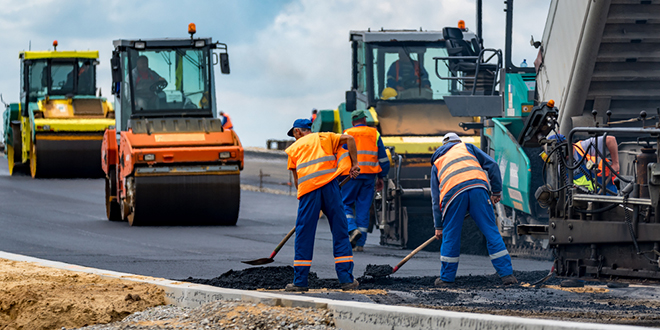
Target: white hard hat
<point x="451" y="137"/>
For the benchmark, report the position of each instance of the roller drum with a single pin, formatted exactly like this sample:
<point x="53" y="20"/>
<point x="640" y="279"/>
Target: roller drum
<point x="68" y="158"/>
<point x="186" y="200"/>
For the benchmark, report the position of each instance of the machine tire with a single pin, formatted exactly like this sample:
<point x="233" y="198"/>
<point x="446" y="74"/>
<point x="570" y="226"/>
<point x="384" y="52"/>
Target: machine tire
<point x="34" y="162"/>
<point x="112" y="207"/>
<point x="10" y="159"/>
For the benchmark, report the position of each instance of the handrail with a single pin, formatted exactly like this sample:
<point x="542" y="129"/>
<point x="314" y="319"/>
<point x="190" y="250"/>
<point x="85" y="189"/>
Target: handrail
<point x="479" y="61"/>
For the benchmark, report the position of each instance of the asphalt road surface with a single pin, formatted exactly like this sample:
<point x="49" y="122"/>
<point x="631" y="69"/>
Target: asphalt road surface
<point x="64" y="220"/>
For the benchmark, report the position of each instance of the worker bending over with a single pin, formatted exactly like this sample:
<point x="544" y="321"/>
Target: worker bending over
<point x="589" y="175"/>
<point x="313" y="161"/>
<point x="358" y="194"/>
<point x="459" y="185"/>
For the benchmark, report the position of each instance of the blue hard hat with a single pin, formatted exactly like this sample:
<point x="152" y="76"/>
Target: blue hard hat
<point x="300" y="123"/>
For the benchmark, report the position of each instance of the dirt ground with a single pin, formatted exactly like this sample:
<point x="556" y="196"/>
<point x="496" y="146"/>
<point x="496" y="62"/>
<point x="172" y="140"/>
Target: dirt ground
<point x="35" y="297"/>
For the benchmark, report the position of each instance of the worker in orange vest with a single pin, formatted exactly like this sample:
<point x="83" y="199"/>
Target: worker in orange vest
<point x="358" y="194"/>
<point x="226" y="121"/>
<point x="313" y="162"/>
<point x="314" y="113"/>
<point x="459" y="185"/>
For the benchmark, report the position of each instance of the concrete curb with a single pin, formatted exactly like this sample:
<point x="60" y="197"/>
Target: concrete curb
<point x="348" y="315"/>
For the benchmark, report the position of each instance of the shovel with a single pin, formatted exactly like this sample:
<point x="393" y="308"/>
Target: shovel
<point x="263" y="261"/>
<point x="386" y="270"/>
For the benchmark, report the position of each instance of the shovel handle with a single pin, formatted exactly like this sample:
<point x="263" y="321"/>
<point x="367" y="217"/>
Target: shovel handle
<point x="284" y="240"/>
<point x="414" y="252"/>
<point x="343" y="182"/>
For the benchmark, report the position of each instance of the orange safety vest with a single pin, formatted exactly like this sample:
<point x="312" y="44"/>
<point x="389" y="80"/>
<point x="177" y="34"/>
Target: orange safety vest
<point x="456" y="166"/>
<point x="601" y="165"/>
<point x="366" y="141"/>
<point x="228" y="124"/>
<point x="316" y="162"/>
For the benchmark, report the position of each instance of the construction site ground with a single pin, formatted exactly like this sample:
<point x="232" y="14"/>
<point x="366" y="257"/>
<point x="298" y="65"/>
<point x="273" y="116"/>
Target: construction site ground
<point x="64" y="220"/>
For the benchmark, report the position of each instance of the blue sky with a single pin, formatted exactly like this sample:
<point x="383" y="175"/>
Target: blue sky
<point x="287" y="57"/>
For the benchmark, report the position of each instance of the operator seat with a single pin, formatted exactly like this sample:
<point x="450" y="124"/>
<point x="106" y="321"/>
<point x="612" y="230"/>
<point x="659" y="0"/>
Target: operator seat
<point x="457" y="46"/>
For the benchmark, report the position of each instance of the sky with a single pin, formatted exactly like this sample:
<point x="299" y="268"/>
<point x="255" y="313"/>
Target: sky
<point x="286" y="56"/>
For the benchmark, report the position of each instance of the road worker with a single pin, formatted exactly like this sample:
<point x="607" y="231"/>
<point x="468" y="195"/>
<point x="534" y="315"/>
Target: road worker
<point x="313" y="162"/>
<point x="358" y="194"/>
<point x="226" y="121"/>
<point x="459" y="185"/>
<point x="590" y="175"/>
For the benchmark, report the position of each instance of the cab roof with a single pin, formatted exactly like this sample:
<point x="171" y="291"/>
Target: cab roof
<point x="41" y="54"/>
<point x="163" y="42"/>
<point x="400" y="35"/>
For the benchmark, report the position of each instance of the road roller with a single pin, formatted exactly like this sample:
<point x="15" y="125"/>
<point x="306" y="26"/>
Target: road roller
<point x="56" y="128"/>
<point x="168" y="160"/>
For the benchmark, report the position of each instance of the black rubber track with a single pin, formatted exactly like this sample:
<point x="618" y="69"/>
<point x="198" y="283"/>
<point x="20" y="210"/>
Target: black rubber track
<point x="187" y="200"/>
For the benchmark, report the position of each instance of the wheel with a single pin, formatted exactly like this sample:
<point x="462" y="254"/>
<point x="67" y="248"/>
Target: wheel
<point x="10" y="158"/>
<point x="34" y="165"/>
<point x="112" y="207"/>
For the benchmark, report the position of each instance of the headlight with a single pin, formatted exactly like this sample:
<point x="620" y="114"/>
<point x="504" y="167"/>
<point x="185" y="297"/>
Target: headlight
<point x="200" y="43"/>
<point x="149" y="157"/>
<point x="225" y="154"/>
<point x="140" y="45"/>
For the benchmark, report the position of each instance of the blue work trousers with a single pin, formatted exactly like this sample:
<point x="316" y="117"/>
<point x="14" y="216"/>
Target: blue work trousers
<point x="357" y="195"/>
<point x="477" y="202"/>
<point x="328" y="200"/>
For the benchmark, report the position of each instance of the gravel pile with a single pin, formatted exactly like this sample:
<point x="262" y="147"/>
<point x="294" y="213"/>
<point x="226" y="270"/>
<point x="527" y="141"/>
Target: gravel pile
<point x="223" y="315"/>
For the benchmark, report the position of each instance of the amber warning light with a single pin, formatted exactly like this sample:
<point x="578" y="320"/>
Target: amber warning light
<point x="192" y="29"/>
<point x="55" y="44"/>
<point x="461" y="25"/>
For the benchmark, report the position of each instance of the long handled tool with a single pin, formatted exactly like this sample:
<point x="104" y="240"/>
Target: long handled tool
<point x="386" y="270"/>
<point x="263" y="261"/>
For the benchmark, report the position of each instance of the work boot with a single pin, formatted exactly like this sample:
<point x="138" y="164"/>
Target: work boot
<point x="509" y="279"/>
<point x="439" y="283"/>
<point x="354" y="236"/>
<point x="358" y="249"/>
<point x="350" y="286"/>
<point x="294" y="288"/>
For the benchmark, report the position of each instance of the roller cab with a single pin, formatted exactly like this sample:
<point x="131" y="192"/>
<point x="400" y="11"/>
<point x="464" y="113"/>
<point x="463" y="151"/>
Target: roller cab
<point x="57" y="128"/>
<point x="169" y="161"/>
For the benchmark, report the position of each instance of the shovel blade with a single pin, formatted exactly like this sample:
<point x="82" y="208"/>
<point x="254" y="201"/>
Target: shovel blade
<point x="378" y="270"/>
<point x="257" y="262"/>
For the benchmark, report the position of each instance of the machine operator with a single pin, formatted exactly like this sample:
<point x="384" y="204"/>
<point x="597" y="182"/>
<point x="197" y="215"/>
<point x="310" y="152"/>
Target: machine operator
<point x="226" y="120"/>
<point x="313" y="162"/>
<point x="358" y="194"/>
<point x="406" y="76"/>
<point x="459" y="185"/>
<point x="147" y="83"/>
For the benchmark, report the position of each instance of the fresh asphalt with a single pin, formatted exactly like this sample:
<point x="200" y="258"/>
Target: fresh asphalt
<point x="64" y="220"/>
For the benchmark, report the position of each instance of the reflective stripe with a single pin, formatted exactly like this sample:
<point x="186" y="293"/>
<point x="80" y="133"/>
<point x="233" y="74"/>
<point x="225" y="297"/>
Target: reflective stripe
<point x="316" y="161"/>
<point x="368" y="163"/>
<point x="457" y="172"/>
<point x="366" y="152"/>
<point x="383" y="160"/>
<point x="302" y="263"/>
<point x="457" y="160"/>
<point x="499" y="254"/>
<point x="363" y="229"/>
<point x="449" y="259"/>
<point x="344" y="155"/>
<point x="350" y="216"/>
<point x="342" y="261"/>
<point x="316" y="174"/>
